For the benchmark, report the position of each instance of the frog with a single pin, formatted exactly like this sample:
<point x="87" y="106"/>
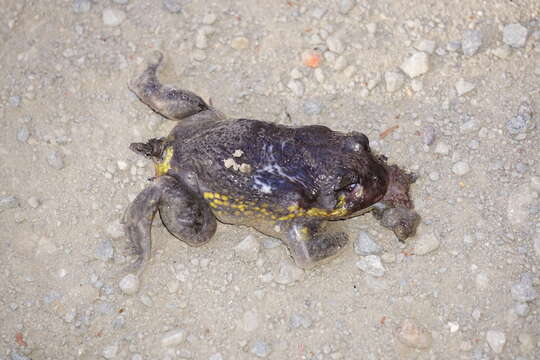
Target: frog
<point x="294" y="183"/>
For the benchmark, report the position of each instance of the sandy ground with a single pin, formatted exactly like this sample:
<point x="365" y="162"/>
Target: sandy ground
<point x="466" y="287"/>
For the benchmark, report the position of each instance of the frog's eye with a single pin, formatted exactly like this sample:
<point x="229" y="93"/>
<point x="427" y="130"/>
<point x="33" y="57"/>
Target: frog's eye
<point x="347" y="183"/>
<point x="351" y="187"/>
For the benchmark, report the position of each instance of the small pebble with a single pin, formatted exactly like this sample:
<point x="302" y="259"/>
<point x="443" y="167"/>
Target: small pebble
<point x="416" y="65"/>
<point x="298" y="320"/>
<point x="81" y="6"/>
<point x="216" y="356"/>
<point x="56" y="160"/>
<point x="536" y="244"/>
<point x="110" y="352"/>
<point x="502" y="52"/>
<point x="522" y="309"/>
<point x="16" y="356"/>
<point x="442" y="148"/>
<point x="429" y="135"/>
<point x="371" y="28"/>
<point x="521" y="122"/>
<point x="496" y="340"/>
<point x="427" y="46"/>
<point x="15" y="101"/>
<point x="248" y="249"/>
<point x="121" y="2"/>
<point x="105" y="250"/>
<point x="453" y="46"/>
<point x="129" y="284"/>
<point x="23" y="134"/>
<point x="173" y="6"/>
<point x="240" y="43"/>
<point x="173" y="337"/>
<point x="471" y="42"/>
<point x="515" y="35"/>
<point x="297" y="87"/>
<point x="426" y="242"/>
<point x="412" y="335"/>
<point x="345" y="6"/>
<point x="527" y="343"/>
<point x="8" y="202"/>
<point x="209" y="19"/>
<point x="463" y="87"/>
<point x="288" y="273"/>
<point x="261" y="349"/>
<point x="113" y="17"/>
<point x="312" y="107"/>
<point x="364" y="245"/>
<point x="523" y="291"/>
<point x="335" y="44"/>
<point x="371" y="265"/>
<point x="434" y="176"/>
<point x="460" y="168"/>
<point x="115" y="229"/>
<point x="394" y="80"/>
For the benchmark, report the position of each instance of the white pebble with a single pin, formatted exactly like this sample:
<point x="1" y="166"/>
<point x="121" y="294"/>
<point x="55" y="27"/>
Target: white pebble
<point x="288" y="273"/>
<point x="442" y="148"/>
<point x="56" y="160"/>
<point x="34" y="202"/>
<point x="371" y="265"/>
<point x="460" y="168"/>
<point x="496" y="340"/>
<point x="335" y="44"/>
<point x="346" y="5"/>
<point x="463" y="87"/>
<point x="240" y="43"/>
<point x="250" y="321"/>
<point x="110" y="352"/>
<point x="173" y="337"/>
<point x="129" y="284"/>
<point x="427" y="46"/>
<point x="413" y="335"/>
<point x="113" y="17"/>
<point x="426" y="242"/>
<point x="515" y="35"/>
<point x="394" y="80"/>
<point x="297" y="87"/>
<point x="416" y="65"/>
<point x="248" y="249"/>
<point x="364" y="245"/>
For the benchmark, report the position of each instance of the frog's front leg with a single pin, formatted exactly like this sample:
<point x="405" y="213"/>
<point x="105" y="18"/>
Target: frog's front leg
<point x="311" y="242"/>
<point x="184" y="214"/>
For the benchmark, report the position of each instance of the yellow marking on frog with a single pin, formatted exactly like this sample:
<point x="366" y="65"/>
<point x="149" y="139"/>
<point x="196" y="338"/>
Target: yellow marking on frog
<point x="164" y="165"/>
<point x="208" y="195"/>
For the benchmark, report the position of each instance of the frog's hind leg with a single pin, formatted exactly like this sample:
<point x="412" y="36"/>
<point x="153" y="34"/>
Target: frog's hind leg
<point x="183" y="214"/>
<point x="186" y="215"/>
<point x="312" y="243"/>
<point x="173" y="103"/>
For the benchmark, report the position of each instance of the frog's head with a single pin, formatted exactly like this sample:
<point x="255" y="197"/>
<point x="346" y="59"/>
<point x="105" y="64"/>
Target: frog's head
<point x="359" y="179"/>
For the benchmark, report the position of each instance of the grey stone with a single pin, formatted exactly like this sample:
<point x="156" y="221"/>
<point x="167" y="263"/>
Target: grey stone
<point x="522" y="121"/>
<point x="15" y="101"/>
<point x="261" y="349"/>
<point x="312" y="107"/>
<point x="23" y="134"/>
<point x="288" y="273"/>
<point x="121" y="2"/>
<point x="81" y="6"/>
<point x="453" y="46"/>
<point x="427" y="46"/>
<point x="471" y="42"/>
<point x="522" y="309"/>
<point x="115" y="229"/>
<point x="297" y="87"/>
<point x="105" y="250"/>
<point x="298" y="320"/>
<point x="461" y="168"/>
<point x="8" y="202"/>
<point x="216" y="356"/>
<point x="502" y="52"/>
<point x="345" y="6"/>
<point x="394" y="80"/>
<point x="364" y="245"/>
<point x="496" y="340"/>
<point x="426" y="242"/>
<point x="523" y="291"/>
<point x="110" y="352"/>
<point x="371" y="265"/>
<point x="113" y="17"/>
<point x="416" y="65"/>
<point x="16" y="356"/>
<point x="429" y="135"/>
<point x="515" y="35"/>
<point x="250" y="320"/>
<point x="56" y="160"/>
<point x="335" y="44"/>
<point x="173" y="6"/>
<point x="536" y="244"/>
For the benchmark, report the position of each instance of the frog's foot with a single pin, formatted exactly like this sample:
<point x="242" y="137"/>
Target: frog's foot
<point x="171" y="102"/>
<point x="186" y="215"/>
<point x="401" y="220"/>
<point x="164" y="193"/>
<point x="310" y="244"/>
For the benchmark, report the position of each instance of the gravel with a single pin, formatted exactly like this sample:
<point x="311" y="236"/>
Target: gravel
<point x="335" y="44"/>
<point x="56" y="160"/>
<point x="364" y="245"/>
<point x="298" y="320"/>
<point x="463" y="87"/>
<point x="113" y="17"/>
<point x="23" y="134"/>
<point x="426" y="242"/>
<point x="261" y="349"/>
<point x="250" y="321"/>
<point x="8" y="202"/>
<point x="173" y="337"/>
<point x="471" y="42"/>
<point x="427" y="46"/>
<point x="173" y="6"/>
<point x="460" y="168"/>
<point x="524" y="291"/>
<point x="371" y="265"/>
<point x="416" y="65"/>
<point x="522" y="121"/>
<point x="394" y="81"/>
<point x="288" y="273"/>
<point x="248" y="249"/>
<point x="515" y="35"/>
<point x="411" y="334"/>
<point x="110" y="352"/>
<point x="240" y="43"/>
<point x="105" y="250"/>
<point x="344" y="6"/>
<point x="129" y="284"/>
<point x="496" y="340"/>
<point x="312" y="107"/>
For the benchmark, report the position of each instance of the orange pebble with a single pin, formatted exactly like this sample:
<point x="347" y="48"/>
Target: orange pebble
<point x="312" y="60"/>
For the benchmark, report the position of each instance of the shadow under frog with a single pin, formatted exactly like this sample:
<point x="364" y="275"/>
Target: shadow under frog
<point x="295" y="184"/>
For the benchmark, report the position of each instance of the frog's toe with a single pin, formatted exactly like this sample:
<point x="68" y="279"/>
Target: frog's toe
<point x="402" y="221"/>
